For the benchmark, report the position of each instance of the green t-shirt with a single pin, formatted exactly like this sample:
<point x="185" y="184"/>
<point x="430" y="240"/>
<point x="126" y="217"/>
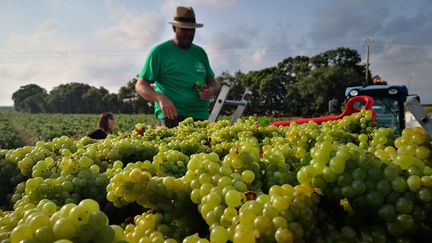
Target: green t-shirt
<point x="174" y="71"/>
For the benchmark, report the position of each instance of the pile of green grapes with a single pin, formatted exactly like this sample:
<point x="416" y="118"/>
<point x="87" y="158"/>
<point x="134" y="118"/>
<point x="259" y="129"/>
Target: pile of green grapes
<point x="342" y="181"/>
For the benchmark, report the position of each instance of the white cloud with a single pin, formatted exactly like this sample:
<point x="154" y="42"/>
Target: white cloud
<point x="132" y="29"/>
<point x="44" y="37"/>
<point x="406" y="65"/>
<point x="259" y="55"/>
<point x="402" y="49"/>
<point x="231" y="52"/>
<point x="108" y="57"/>
<point x="246" y="46"/>
<point x="170" y="5"/>
<point x="114" y="53"/>
<point x="343" y="19"/>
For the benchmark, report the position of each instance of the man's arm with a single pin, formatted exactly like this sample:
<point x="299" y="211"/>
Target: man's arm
<point x="143" y="88"/>
<point x="210" y="90"/>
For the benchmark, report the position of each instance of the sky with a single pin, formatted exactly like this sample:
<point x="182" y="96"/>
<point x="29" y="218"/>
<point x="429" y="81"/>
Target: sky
<point x="105" y="42"/>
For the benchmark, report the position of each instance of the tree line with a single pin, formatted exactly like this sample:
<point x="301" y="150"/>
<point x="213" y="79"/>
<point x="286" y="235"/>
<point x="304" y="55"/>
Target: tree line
<point x="301" y="85"/>
<point x="79" y="98"/>
<point x="296" y="86"/>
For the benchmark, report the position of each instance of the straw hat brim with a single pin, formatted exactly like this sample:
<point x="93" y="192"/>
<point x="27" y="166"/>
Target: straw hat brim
<point x="186" y="25"/>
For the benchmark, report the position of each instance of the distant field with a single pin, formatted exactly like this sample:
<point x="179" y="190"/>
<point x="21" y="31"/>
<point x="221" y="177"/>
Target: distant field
<point x="428" y="108"/>
<point x="18" y="129"/>
<point x="6" y="108"/>
<point x="30" y="128"/>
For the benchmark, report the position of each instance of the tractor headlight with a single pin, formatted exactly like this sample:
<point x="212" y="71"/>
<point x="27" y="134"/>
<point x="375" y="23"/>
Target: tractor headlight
<point x="354" y="92"/>
<point x="392" y="91"/>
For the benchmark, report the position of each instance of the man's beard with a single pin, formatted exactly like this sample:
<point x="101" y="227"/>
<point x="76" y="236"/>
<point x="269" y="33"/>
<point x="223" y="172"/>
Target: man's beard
<point x="185" y="43"/>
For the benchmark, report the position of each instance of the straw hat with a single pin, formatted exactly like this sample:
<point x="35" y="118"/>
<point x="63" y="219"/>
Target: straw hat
<point x="184" y="17"/>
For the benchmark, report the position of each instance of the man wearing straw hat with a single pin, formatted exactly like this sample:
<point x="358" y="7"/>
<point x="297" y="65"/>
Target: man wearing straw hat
<point x="183" y="81"/>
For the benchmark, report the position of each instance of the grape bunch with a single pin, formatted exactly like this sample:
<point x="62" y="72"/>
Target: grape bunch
<point x="395" y="193"/>
<point x="237" y="209"/>
<point x="169" y="163"/>
<point x="166" y="195"/>
<point x="64" y="189"/>
<point x="154" y="227"/>
<point x="46" y="222"/>
<point x="10" y="176"/>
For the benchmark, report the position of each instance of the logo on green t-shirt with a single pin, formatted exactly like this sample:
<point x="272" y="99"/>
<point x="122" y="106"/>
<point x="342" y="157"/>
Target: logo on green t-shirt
<point x="199" y="67"/>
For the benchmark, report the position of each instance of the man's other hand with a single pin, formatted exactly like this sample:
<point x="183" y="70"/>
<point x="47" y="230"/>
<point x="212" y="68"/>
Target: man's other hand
<point x="167" y="106"/>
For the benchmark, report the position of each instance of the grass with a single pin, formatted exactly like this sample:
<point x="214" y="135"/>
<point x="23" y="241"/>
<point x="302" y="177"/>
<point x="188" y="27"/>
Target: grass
<point x="428" y="108"/>
<point x="6" y="108"/>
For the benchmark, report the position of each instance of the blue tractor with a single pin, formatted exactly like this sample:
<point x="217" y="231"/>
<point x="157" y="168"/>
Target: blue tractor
<point x="389" y="103"/>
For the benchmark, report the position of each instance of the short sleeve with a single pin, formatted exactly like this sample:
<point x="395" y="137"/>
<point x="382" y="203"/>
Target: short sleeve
<point x="151" y="69"/>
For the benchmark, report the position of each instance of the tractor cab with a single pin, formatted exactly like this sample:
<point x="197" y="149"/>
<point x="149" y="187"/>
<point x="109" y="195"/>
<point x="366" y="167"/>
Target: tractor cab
<point x="389" y="103"/>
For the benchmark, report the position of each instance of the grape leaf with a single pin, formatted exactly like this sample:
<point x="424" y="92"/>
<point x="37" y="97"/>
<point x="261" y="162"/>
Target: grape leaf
<point x="263" y="121"/>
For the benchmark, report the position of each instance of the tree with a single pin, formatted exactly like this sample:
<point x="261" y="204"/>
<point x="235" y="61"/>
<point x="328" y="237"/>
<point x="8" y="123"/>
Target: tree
<point x="343" y="57"/>
<point x="131" y="102"/>
<point x="30" y="98"/>
<point x="324" y="83"/>
<point x="68" y="98"/>
<point x="311" y="82"/>
<point x="97" y="101"/>
<point x="301" y="85"/>
<point x="290" y="69"/>
<point x="112" y="103"/>
<point x="340" y="56"/>
<point x="82" y="98"/>
<point x="236" y="91"/>
<point x="268" y="87"/>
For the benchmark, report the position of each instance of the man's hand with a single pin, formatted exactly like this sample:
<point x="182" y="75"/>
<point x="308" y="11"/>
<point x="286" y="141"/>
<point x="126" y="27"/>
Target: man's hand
<point x="210" y="89"/>
<point x="207" y="93"/>
<point x="167" y="106"/>
<point x="145" y="90"/>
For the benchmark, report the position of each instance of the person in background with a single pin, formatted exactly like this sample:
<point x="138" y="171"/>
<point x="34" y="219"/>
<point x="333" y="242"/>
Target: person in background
<point x="105" y="126"/>
<point x="177" y="75"/>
